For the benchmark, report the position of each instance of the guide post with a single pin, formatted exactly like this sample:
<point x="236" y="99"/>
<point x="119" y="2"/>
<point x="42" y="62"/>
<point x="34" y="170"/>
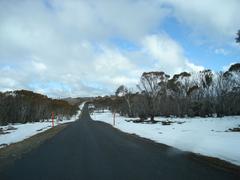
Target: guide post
<point x="52" y="119"/>
<point x="114" y="118"/>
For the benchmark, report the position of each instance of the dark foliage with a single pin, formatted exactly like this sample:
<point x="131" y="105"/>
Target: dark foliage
<point x="235" y="67"/>
<point x="26" y="106"/>
<point x="238" y="37"/>
<point x="207" y="95"/>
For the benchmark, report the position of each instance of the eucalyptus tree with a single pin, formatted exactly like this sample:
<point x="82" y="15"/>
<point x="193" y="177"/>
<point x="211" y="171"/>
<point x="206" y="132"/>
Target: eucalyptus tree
<point x="153" y="85"/>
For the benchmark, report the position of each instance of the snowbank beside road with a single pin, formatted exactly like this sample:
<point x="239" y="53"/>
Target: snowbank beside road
<point x="24" y="131"/>
<point x="20" y="132"/>
<point x="206" y="136"/>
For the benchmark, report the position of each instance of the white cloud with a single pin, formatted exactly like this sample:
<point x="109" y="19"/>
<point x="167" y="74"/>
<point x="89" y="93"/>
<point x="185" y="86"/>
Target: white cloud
<point x="114" y="67"/>
<point x="63" y="43"/>
<point x="11" y="79"/>
<point x="168" y="54"/>
<point x="64" y="48"/>
<point x="10" y="82"/>
<point x="216" y="18"/>
<point x="192" y="67"/>
<point x="221" y="51"/>
<point x="39" y="66"/>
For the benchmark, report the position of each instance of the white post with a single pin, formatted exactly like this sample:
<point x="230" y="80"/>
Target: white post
<point x="114" y="118"/>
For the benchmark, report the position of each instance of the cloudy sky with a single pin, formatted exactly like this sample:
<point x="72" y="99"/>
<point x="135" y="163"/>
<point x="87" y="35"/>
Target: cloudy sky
<point x="89" y="47"/>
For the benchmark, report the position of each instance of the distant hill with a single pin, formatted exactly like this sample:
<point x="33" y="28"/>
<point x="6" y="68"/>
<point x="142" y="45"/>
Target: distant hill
<point x="77" y="101"/>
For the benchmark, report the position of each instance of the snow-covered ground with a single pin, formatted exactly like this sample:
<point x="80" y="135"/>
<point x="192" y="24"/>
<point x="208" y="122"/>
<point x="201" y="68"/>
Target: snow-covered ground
<point x="23" y="131"/>
<point x="206" y="136"/>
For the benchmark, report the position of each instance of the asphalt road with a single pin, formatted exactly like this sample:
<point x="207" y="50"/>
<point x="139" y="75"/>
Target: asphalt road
<point x="90" y="150"/>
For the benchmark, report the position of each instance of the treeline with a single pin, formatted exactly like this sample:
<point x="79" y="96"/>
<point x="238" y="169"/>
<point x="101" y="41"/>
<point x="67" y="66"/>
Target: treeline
<point x="203" y="93"/>
<point x="26" y="106"/>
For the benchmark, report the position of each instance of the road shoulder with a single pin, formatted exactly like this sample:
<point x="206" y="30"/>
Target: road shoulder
<point x="15" y="151"/>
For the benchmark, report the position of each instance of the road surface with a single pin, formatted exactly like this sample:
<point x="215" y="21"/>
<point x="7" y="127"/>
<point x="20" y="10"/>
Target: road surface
<point x="91" y="150"/>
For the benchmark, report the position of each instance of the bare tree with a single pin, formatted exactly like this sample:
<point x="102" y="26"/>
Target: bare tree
<point x="126" y="93"/>
<point x="140" y="106"/>
<point x="152" y="85"/>
<point x="203" y="93"/>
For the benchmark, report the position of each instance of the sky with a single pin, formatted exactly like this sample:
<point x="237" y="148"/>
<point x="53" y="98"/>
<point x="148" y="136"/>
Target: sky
<point x="65" y="48"/>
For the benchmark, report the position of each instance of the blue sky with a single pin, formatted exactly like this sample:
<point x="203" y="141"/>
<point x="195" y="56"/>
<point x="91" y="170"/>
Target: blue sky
<point x="88" y="48"/>
<point x="210" y="55"/>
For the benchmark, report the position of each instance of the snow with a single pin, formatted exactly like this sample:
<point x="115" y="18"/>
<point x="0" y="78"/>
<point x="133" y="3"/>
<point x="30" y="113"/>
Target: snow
<point x="206" y="136"/>
<point x="81" y="106"/>
<point x="24" y="131"/>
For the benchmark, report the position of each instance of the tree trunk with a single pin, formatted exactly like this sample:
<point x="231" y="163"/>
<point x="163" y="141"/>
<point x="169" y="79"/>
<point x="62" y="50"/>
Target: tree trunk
<point x="152" y="118"/>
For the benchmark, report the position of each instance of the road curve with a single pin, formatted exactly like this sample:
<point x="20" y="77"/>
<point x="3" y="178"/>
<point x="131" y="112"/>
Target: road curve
<point x="91" y="150"/>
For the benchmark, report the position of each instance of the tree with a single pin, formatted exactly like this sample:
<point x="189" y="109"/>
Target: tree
<point x="126" y="93"/>
<point x="179" y="87"/>
<point x="26" y="106"/>
<point x="152" y="85"/>
<point x="238" y="37"/>
<point x="140" y="106"/>
<point x="203" y="93"/>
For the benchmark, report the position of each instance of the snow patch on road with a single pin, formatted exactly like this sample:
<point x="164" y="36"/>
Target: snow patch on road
<point x="206" y="136"/>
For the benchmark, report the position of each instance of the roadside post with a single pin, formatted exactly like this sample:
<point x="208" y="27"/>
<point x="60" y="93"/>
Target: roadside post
<point x="114" y="118"/>
<point x="52" y="119"/>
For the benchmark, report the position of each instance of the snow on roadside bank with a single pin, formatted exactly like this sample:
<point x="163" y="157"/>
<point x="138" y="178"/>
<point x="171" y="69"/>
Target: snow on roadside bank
<point x="206" y="136"/>
<point x="24" y="131"/>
